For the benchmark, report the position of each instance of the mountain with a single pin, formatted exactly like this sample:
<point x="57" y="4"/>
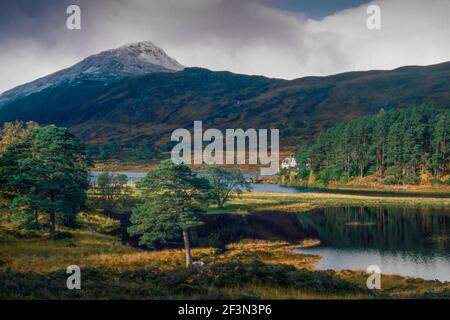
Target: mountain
<point x="141" y="111"/>
<point x="108" y="66"/>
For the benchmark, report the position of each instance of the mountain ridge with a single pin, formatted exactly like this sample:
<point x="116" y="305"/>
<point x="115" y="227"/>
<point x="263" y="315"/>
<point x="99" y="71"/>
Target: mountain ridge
<point x="132" y="59"/>
<point x="144" y="109"/>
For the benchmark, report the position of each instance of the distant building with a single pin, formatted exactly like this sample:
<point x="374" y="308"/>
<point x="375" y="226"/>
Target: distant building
<point x="288" y="163"/>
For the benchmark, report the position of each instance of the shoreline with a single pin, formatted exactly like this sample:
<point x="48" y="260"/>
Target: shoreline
<point x="251" y="202"/>
<point x="246" y="259"/>
<point x="394" y="189"/>
<point x="400" y="189"/>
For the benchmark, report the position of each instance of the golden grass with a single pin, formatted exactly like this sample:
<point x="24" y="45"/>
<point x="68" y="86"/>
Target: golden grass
<point x="89" y="249"/>
<point x="423" y="188"/>
<point x="164" y="260"/>
<point x="93" y="250"/>
<point x="301" y="202"/>
<point x="43" y="255"/>
<point x="394" y="286"/>
<point x="86" y="249"/>
<point x="269" y="252"/>
<point x="277" y="293"/>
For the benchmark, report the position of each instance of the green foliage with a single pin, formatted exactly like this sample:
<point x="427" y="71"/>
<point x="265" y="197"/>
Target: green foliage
<point x="225" y="182"/>
<point x="13" y="132"/>
<point x="172" y="202"/>
<point x="138" y="152"/>
<point x="45" y="172"/>
<point x="399" y="144"/>
<point x="146" y="108"/>
<point x="436" y="182"/>
<point x="112" y="189"/>
<point x="326" y="176"/>
<point x="390" y="181"/>
<point x="98" y="223"/>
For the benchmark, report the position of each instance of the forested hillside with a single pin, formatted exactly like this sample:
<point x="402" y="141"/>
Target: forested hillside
<point x="132" y="119"/>
<point x="398" y="145"/>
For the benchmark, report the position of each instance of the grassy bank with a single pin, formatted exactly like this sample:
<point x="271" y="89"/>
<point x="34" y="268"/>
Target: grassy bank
<point x="420" y="189"/>
<point x="372" y="183"/>
<point x="33" y="267"/>
<point x="301" y="202"/>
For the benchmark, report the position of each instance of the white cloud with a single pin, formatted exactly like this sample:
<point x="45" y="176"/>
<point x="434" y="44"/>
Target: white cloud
<point x="245" y="37"/>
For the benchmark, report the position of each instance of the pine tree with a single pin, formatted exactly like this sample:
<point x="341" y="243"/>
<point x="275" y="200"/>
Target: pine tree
<point x="400" y="143"/>
<point x="441" y="150"/>
<point x="172" y="202"/>
<point x="46" y="171"/>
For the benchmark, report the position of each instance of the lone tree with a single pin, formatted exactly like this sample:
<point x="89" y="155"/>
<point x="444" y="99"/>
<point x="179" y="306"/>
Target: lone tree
<point x="172" y="196"/>
<point x="46" y="172"/>
<point x="225" y="182"/>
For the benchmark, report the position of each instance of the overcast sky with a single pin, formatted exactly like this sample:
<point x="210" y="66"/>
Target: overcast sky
<point x="284" y="39"/>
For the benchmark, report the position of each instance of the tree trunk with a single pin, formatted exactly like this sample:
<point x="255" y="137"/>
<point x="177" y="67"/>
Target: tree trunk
<point x="36" y="217"/>
<point x="52" y="225"/>
<point x="187" y="247"/>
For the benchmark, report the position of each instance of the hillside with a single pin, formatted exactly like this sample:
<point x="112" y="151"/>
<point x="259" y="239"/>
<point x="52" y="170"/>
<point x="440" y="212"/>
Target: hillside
<point x="141" y="111"/>
<point x="402" y="146"/>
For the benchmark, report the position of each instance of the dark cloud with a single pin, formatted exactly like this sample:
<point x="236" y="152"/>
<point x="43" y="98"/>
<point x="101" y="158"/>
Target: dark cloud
<point x="316" y="9"/>
<point x="272" y="38"/>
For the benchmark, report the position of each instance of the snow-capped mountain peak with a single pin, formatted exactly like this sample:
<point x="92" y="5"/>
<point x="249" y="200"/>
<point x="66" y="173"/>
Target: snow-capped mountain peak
<point x="133" y="59"/>
<point x="147" y="52"/>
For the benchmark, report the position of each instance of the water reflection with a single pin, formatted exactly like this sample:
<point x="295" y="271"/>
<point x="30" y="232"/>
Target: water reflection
<point x="407" y="241"/>
<point x="411" y="242"/>
<point x="419" y="230"/>
<point x="134" y="177"/>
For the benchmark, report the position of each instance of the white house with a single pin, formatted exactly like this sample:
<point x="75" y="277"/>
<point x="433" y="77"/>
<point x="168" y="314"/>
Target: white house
<point x="288" y="163"/>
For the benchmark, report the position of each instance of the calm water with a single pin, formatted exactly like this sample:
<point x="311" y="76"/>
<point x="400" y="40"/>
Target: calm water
<point x="409" y="242"/>
<point x="133" y="177"/>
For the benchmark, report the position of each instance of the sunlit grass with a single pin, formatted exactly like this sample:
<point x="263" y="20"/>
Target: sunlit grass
<point x="33" y="266"/>
<point x="262" y="291"/>
<point x="254" y="268"/>
<point x="301" y="202"/>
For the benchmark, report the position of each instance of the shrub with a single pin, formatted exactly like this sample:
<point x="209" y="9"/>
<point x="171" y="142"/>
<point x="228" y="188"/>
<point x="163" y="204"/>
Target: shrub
<point x="390" y="181"/>
<point x="344" y="180"/>
<point x="436" y="182"/>
<point x="26" y="234"/>
<point x="326" y="176"/>
<point x="60" y="235"/>
<point x="98" y="223"/>
<point x="412" y="179"/>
